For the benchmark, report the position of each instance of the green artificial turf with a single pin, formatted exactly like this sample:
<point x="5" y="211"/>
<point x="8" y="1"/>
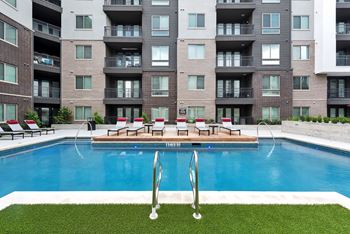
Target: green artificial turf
<point x="174" y="219"/>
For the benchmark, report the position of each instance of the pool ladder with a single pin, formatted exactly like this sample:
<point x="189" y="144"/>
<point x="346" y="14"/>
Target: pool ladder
<point x="273" y="137"/>
<point x="157" y="178"/>
<point x="77" y="134"/>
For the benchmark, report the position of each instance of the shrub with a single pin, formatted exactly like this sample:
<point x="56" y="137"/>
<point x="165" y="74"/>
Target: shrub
<point x="209" y="121"/>
<point x="326" y="119"/>
<point x="145" y="118"/>
<point x="302" y="118"/>
<point x="307" y="118"/>
<point x="319" y="119"/>
<point x="64" y="116"/>
<point x="314" y="119"/>
<point x="334" y="120"/>
<point x="342" y="120"/>
<point x="296" y="118"/>
<point x="98" y="118"/>
<point x="33" y="115"/>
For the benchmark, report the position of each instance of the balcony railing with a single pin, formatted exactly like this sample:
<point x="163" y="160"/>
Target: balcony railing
<point x="339" y="93"/>
<point x="343" y="60"/>
<point x="123" y="31"/>
<point x="123" y="2"/>
<point x="47" y="92"/>
<point x="160" y="93"/>
<point x="234" y="61"/>
<point x="122" y="93"/>
<point x="56" y="2"/>
<point x="234" y="29"/>
<point x="46" y="28"/>
<point x="343" y="29"/>
<point x="343" y="1"/>
<point x="123" y="61"/>
<point x="234" y="1"/>
<point x="47" y="60"/>
<point x="235" y="93"/>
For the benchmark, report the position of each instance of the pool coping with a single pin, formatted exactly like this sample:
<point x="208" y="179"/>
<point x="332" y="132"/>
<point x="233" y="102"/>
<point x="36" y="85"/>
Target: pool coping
<point x="174" y="197"/>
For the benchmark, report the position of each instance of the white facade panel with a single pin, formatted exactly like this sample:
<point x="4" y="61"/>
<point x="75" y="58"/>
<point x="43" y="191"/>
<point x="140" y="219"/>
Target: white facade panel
<point x="83" y="7"/>
<point x="21" y="14"/>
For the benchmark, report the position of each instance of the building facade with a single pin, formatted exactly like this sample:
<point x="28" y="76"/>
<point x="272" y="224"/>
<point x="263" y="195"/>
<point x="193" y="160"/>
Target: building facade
<point x="247" y="60"/>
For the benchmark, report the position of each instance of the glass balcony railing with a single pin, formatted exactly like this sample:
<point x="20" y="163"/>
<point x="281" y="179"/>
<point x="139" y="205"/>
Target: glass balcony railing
<point x="339" y="93"/>
<point x="343" y="1"/>
<point x="123" y="31"/>
<point x="343" y="29"/>
<point x="56" y="2"/>
<point x="234" y="93"/>
<point x="46" y="28"/>
<point x="46" y="92"/>
<point x="122" y="93"/>
<point x="234" y="29"/>
<point x="47" y="60"/>
<point x="123" y="61"/>
<point x="123" y="2"/>
<point x="234" y="1"/>
<point x="343" y="60"/>
<point x="225" y="60"/>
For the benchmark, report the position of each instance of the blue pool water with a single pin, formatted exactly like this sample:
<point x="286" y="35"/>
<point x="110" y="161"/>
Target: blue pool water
<point x="291" y="167"/>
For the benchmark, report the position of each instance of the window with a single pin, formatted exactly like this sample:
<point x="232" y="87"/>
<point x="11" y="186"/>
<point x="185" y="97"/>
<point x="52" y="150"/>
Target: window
<point x="196" y="51"/>
<point x="270" y="54"/>
<point x="271" y="1"/>
<point x="196" y="20"/>
<point x="301" y="53"/>
<point x="82" y="112"/>
<point x="8" y="33"/>
<point x="160" y="25"/>
<point x="83" y="82"/>
<point x="160" y="56"/>
<point x="160" y="112"/>
<point x="195" y="82"/>
<point x="12" y="2"/>
<point x="271" y="113"/>
<point x="160" y="2"/>
<point x="8" y="112"/>
<point x="83" y="52"/>
<point x="8" y="73"/>
<point x="271" y="86"/>
<point x="196" y="112"/>
<point x="160" y="86"/>
<point x="83" y="22"/>
<point x="271" y="23"/>
<point x="301" y="111"/>
<point x="301" y="22"/>
<point x="300" y="82"/>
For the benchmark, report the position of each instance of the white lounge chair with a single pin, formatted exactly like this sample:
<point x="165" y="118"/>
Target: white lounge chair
<point x="159" y="126"/>
<point x="137" y="126"/>
<point x="181" y="126"/>
<point x="16" y="127"/>
<point x="33" y="126"/>
<point x="12" y="134"/>
<point x="201" y="127"/>
<point x="120" y="125"/>
<point x="227" y="125"/>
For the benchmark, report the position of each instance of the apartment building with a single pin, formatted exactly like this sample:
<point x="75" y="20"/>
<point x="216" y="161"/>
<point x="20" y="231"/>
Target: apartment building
<point x="15" y="58"/>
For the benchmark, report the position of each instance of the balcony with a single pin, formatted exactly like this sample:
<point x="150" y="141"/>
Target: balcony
<point x="343" y="60"/>
<point x="129" y="64"/>
<point x="126" y="96"/>
<point x="343" y="32"/>
<point x="343" y="3"/>
<point x="236" y="4"/>
<point x="46" y="31"/>
<point x="231" y="63"/>
<point x="122" y="5"/>
<point x="47" y="63"/>
<point x="46" y="95"/>
<point x="241" y="96"/>
<point x="126" y="34"/>
<point x="340" y="96"/>
<point x="235" y="32"/>
<point x="51" y="5"/>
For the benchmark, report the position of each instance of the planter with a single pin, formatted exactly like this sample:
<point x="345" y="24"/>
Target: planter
<point x="329" y="131"/>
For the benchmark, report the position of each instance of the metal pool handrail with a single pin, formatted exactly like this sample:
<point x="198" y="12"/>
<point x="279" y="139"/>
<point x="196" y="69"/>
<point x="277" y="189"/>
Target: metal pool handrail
<point x="157" y="178"/>
<point x="194" y="184"/>
<point x="273" y="137"/>
<point x="76" y="137"/>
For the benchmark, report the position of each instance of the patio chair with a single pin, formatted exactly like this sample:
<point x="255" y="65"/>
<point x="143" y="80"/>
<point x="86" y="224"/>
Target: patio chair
<point x="120" y="125"/>
<point x="181" y="126"/>
<point x="159" y="126"/>
<point x="12" y="134"/>
<point x="227" y="125"/>
<point x="33" y="126"/>
<point x="16" y="127"/>
<point x="137" y="126"/>
<point x="201" y="127"/>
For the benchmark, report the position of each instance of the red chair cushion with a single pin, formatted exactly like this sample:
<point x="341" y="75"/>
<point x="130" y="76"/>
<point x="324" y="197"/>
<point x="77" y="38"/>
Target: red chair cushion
<point x="226" y="119"/>
<point x="138" y="120"/>
<point x="12" y="122"/>
<point x="200" y="120"/>
<point x="159" y="119"/>
<point x="30" y="121"/>
<point x="122" y="119"/>
<point x="180" y="120"/>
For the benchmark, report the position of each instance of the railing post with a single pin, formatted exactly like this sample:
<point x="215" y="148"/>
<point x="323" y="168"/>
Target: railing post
<point x="155" y="186"/>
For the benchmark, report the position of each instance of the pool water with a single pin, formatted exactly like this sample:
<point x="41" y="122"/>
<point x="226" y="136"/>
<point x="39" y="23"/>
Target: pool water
<point x="292" y="166"/>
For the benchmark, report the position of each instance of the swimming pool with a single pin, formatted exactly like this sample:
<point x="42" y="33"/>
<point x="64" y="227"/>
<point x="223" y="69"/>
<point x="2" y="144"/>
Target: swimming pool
<point x="292" y="166"/>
